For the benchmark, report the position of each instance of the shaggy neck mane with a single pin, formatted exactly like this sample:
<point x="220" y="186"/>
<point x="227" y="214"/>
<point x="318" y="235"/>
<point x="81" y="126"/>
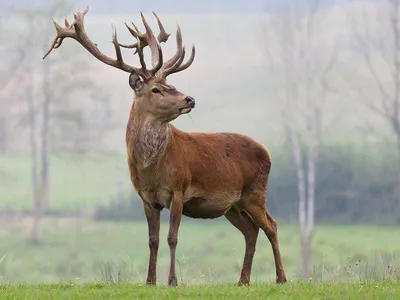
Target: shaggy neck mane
<point x="146" y="138"/>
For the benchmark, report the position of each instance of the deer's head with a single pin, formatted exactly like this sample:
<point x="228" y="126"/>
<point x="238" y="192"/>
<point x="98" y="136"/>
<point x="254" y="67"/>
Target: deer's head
<point x="154" y="97"/>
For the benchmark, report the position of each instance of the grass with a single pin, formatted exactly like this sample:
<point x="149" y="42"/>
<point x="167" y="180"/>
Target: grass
<point x="361" y="290"/>
<point x="208" y="252"/>
<point x="75" y="182"/>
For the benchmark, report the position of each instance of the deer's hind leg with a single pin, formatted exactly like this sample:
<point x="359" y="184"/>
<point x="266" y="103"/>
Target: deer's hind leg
<point x="254" y="204"/>
<point x="242" y="221"/>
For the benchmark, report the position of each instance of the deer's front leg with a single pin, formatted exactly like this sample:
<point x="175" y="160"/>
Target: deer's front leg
<point x="153" y="222"/>
<point x="174" y="222"/>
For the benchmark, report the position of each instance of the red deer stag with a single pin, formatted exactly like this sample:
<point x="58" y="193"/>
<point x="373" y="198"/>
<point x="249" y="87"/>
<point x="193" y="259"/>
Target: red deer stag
<point x="199" y="175"/>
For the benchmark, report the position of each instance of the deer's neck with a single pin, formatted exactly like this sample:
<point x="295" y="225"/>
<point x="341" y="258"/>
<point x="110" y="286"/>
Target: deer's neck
<point x="147" y="139"/>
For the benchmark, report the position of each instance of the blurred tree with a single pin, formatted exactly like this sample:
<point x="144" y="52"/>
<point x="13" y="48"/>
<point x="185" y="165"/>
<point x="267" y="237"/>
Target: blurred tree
<point x="8" y="70"/>
<point x="53" y="91"/>
<point x="301" y="69"/>
<point x="376" y="40"/>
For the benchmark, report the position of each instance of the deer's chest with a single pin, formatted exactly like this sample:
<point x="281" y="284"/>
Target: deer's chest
<point x="145" y="151"/>
<point x="153" y="186"/>
<point x="160" y="196"/>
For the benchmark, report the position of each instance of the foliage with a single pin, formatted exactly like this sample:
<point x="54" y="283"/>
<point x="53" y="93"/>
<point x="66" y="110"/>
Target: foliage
<point x="355" y="184"/>
<point x="115" y="273"/>
<point x="120" y="210"/>
<point x="208" y="252"/>
<point x="71" y="290"/>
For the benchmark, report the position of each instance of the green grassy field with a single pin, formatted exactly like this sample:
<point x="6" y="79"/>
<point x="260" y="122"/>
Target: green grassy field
<point x="209" y="252"/>
<point x="75" y="182"/>
<point x="367" y="290"/>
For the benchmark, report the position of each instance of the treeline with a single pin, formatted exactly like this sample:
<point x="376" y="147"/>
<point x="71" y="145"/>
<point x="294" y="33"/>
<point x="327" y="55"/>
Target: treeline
<point x="354" y="184"/>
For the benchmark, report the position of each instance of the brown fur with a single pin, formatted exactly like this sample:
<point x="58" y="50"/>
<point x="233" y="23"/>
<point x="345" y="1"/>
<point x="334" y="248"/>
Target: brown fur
<point x="200" y="175"/>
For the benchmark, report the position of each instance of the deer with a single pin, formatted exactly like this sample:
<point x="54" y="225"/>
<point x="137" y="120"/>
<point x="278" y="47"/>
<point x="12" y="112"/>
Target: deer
<point x="192" y="174"/>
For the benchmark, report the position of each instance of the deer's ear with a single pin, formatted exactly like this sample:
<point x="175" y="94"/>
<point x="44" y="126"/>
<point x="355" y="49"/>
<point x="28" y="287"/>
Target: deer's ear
<point x="135" y="82"/>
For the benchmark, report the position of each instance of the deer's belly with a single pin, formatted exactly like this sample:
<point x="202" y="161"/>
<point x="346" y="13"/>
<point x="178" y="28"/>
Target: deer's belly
<point x="202" y="208"/>
<point x="208" y="206"/>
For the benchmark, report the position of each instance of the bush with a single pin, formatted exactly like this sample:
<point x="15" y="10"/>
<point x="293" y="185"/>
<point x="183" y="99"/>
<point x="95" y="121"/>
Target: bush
<point x="354" y="185"/>
<point x="121" y="209"/>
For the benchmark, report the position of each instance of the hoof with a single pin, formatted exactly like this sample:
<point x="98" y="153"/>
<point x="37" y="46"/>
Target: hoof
<point x="243" y="283"/>
<point x="281" y="280"/>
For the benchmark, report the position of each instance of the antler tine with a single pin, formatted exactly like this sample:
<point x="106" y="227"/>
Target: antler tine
<point x="141" y="55"/>
<point x="156" y="52"/>
<point x="176" y="65"/>
<point x="76" y="31"/>
<point x="62" y="33"/>
<point x="146" y="73"/>
<point x="136" y="34"/>
<point x="162" y="36"/>
<point x="115" y="42"/>
<point x="172" y="61"/>
<point x="187" y="64"/>
<point x="160" y="60"/>
<point x="67" y="25"/>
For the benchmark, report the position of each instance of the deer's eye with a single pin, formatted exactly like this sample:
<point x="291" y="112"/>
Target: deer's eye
<point x="156" y="91"/>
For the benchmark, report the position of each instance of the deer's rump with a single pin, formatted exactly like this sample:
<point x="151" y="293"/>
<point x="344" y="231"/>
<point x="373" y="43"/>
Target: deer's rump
<point x="223" y="166"/>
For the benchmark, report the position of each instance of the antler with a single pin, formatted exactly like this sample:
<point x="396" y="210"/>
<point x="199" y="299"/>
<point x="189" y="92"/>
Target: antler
<point x="174" y="64"/>
<point x="76" y="31"/>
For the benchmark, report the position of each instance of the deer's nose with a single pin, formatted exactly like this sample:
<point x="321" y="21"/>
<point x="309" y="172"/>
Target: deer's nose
<point x="190" y="101"/>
